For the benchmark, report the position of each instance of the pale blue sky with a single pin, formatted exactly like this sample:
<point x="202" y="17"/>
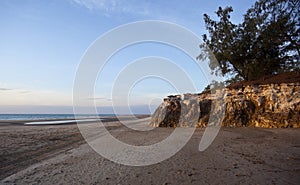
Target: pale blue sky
<point x="42" y="42"/>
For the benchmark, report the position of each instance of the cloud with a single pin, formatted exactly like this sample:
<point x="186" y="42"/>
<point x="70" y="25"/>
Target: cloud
<point x="99" y="98"/>
<point x="18" y="97"/>
<point x="172" y="11"/>
<point x="5" y="89"/>
<point x="108" y="7"/>
<point x="21" y="91"/>
<point x="24" y="92"/>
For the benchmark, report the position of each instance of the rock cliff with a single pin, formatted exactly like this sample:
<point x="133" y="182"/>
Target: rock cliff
<point x="252" y="105"/>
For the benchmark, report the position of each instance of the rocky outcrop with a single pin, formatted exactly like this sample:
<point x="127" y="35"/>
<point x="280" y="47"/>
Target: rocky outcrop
<point x="268" y="105"/>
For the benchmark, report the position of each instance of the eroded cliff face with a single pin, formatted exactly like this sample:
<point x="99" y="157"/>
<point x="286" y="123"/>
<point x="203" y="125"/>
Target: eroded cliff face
<point x="269" y="106"/>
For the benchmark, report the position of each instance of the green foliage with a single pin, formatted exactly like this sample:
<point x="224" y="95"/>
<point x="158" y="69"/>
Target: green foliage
<point x="214" y="85"/>
<point x="266" y="42"/>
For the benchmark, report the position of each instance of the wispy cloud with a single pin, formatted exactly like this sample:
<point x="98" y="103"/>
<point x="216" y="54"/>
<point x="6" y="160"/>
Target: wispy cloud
<point x="99" y="98"/>
<point x="160" y="10"/>
<point x="21" y="91"/>
<point x="109" y="7"/>
<point x="5" y="89"/>
<point x="33" y="97"/>
<point x="24" y="91"/>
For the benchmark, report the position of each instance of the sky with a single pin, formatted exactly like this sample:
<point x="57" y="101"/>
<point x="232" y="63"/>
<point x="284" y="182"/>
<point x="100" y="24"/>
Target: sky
<point x="42" y="44"/>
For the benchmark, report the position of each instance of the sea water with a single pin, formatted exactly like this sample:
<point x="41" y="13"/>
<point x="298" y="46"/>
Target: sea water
<point x="35" y="117"/>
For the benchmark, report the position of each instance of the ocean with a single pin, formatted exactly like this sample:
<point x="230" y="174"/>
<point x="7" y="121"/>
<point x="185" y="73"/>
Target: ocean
<point x="35" y="117"/>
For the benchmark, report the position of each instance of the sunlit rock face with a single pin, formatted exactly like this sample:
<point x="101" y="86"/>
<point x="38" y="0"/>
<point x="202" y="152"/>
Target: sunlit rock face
<point x="168" y="113"/>
<point x="269" y="106"/>
<point x="274" y="105"/>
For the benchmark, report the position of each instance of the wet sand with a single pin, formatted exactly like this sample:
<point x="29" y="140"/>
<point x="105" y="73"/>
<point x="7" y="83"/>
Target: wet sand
<point x="59" y="155"/>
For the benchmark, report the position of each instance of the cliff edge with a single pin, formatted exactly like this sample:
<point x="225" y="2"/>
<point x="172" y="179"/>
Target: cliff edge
<point x="269" y="102"/>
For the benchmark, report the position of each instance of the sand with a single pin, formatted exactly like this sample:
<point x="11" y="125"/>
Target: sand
<point x="59" y="155"/>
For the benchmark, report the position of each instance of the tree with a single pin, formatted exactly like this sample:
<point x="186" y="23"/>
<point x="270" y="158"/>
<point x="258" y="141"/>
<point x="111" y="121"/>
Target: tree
<point x="266" y="42"/>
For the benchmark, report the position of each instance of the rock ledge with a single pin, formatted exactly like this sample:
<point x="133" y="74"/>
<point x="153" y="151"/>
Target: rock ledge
<point x="267" y="105"/>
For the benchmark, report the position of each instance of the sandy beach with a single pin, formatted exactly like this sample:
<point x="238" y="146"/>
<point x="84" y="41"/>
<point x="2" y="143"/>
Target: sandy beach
<point x="58" y="154"/>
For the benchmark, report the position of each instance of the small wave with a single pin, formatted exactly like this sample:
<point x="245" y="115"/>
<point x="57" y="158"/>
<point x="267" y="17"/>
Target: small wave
<point x="60" y="122"/>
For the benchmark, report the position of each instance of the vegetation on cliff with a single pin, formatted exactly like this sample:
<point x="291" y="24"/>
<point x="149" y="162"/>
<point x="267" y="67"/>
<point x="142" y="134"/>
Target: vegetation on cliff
<point x="266" y="42"/>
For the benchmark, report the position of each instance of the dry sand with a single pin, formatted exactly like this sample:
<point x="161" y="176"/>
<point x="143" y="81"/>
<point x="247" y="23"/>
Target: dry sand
<point x="59" y="155"/>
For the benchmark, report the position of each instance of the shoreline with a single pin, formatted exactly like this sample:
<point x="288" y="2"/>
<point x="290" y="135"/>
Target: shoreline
<point x="72" y="121"/>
